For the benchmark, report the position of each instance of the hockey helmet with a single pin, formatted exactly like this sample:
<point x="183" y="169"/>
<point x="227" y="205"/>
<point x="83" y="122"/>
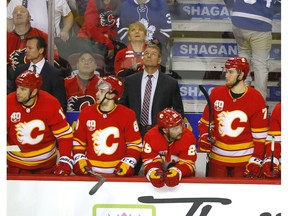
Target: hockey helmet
<point x="239" y="63"/>
<point x="169" y="118"/>
<point x="116" y="85"/>
<point x="29" y="79"/>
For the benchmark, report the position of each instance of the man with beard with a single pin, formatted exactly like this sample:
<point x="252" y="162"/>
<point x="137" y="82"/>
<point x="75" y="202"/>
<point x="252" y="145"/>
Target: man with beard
<point x="169" y="151"/>
<point x="37" y="125"/>
<point x="239" y="125"/>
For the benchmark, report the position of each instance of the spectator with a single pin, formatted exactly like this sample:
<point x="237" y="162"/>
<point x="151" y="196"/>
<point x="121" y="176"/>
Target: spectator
<point x="80" y="87"/>
<point x="154" y="14"/>
<point x="105" y="140"/>
<point x="252" y="29"/>
<point x="35" y="121"/>
<point x="99" y="32"/>
<point x="274" y="136"/>
<point x="239" y="127"/>
<point x="39" y="16"/>
<point x="169" y="151"/>
<point x="130" y="60"/>
<point x="164" y="92"/>
<point x="39" y="19"/>
<point x="52" y="81"/>
<point x="16" y="40"/>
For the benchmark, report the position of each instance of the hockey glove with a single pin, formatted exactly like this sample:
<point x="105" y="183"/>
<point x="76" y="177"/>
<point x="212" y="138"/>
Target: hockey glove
<point x="204" y="144"/>
<point x="125" y="167"/>
<point x="268" y="173"/>
<point x="156" y="177"/>
<point x="64" y="166"/>
<point x="80" y="162"/>
<point x="253" y="168"/>
<point x="173" y="177"/>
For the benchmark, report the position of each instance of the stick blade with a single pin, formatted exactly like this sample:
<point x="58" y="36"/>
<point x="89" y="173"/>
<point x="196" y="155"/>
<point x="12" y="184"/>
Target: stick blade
<point x="97" y="186"/>
<point x="101" y="181"/>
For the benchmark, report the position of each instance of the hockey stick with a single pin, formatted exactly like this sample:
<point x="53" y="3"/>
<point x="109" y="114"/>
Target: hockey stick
<point x="101" y="181"/>
<point x="203" y="90"/>
<point x="272" y="154"/>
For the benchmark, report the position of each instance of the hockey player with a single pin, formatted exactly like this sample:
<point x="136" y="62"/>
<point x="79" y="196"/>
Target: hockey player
<point x="107" y="138"/>
<point x="240" y="125"/>
<point x="35" y="121"/>
<point x="169" y="151"/>
<point x="274" y="135"/>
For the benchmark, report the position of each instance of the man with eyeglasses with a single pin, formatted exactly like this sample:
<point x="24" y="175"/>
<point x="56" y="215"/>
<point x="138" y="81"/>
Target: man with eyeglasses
<point x="239" y="125"/>
<point x="169" y="150"/>
<point x="80" y="87"/>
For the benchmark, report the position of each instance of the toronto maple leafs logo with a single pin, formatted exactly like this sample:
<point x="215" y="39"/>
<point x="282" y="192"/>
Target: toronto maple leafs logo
<point x="107" y="18"/>
<point x="77" y="103"/>
<point x="150" y="29"/>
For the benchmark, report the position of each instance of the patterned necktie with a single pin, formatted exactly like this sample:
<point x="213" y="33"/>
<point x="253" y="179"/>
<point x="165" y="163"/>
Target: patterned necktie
<point x="146" y="102"/>
<point x="34" y="68"/>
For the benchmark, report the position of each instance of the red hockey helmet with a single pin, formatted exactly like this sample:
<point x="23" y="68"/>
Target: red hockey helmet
<point x="239" y="63"/>
<point x="169" y="118"/>
<point x="116" y="85"/>
<point x="29" y="79"/>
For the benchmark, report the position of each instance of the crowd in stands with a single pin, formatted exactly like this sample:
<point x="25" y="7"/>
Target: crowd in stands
<point x="110" y="59"/>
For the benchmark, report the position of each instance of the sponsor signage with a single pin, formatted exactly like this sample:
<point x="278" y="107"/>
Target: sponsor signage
<point x="213" y="49"/>
<point x="210" y="11"/>
<point x="139" y="197"/>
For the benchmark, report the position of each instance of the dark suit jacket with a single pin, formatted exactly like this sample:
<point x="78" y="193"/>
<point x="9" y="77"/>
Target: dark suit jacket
<point x="167" y="94"/>
<point x="53" y="83"/>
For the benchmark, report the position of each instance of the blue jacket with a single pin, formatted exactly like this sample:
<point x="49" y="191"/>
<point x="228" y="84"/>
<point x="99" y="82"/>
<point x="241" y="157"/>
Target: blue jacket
<point x="256" y="16"/>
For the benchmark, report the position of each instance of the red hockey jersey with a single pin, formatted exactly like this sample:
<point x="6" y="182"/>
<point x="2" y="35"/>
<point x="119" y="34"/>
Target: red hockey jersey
<point x="80" y="94"/>
<point x="106" y="138"/>
<point x="240" y="126"/>
<point x="158" y="153"/>
<point x="35" y="130"/>
<point x="99" y="24"/>
<point x="275" y="130"/>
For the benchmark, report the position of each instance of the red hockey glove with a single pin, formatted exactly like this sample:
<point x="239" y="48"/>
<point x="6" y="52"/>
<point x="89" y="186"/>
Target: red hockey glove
<point x="173" y="177"/>
<point x="266" y="169"/>
<point x="64" y="166"/>
<point x="156" y="177"/>
<point x="253" y="168"/>
<point x="204" y="144"/>
<point x="80" y="162"/>
<point x="125" y="167"/>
